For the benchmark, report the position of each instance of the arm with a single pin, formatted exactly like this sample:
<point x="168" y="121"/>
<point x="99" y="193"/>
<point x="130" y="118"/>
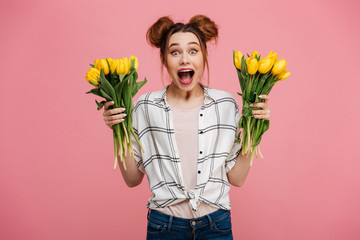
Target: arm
<point x="132" y="176"/>
<point x="237" y="175"/>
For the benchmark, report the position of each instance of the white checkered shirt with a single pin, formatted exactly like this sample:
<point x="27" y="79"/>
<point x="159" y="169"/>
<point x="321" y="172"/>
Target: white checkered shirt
<point x="218" y="149"/>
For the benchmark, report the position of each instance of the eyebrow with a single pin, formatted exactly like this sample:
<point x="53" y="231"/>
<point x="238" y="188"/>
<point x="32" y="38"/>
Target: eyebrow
<point x="175" y="44"/>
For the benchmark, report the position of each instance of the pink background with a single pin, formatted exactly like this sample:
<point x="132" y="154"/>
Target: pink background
<point x="56" y="176"/>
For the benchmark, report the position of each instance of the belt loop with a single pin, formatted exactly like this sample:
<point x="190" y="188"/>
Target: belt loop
<point x="148" y="213"/>
<point x="210" y="221"/>
<point x="170" y="222"/>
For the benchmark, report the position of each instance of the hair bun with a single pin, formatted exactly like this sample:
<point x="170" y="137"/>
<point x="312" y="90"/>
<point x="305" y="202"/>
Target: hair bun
<point x="206" y="26"/>
<point x="156" y="32"/>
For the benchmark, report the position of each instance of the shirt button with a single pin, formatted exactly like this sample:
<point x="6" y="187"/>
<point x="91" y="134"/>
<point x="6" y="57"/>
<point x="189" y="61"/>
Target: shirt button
<point x="201" y="132"/>
<point x="200" y="152"/>
<point x="201" y="114"/>
<point x="193" y="223"/>
<point x="199" y="172"/>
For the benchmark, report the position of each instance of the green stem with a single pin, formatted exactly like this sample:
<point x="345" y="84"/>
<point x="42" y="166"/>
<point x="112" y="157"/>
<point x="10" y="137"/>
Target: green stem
<point x="248" y="90"/>
<point x="137" y="140"/>
<point x="252" y="158"/>
<point x="115" y="149"/>
<point x="248" y="134"/>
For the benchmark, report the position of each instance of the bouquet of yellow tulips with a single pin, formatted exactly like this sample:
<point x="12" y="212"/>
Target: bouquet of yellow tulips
<point x="115" y="80"/>
<point x="256" y="76"/>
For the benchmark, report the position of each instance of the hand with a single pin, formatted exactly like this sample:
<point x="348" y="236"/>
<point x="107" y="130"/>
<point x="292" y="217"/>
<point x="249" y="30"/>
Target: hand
<point x="265" y="112"/>
<point x="112" y="116"/>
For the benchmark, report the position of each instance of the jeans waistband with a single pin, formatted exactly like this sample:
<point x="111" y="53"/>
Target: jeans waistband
<point x="184" y="222"/>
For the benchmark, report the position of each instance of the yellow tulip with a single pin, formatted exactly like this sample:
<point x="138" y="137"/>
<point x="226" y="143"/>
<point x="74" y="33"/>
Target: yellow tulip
<point x="255" y="54"/>
<point x="102" y="65"/>
<point x="252" y="65"/>
<point x="283" y="75"/>
<point x="265" y="65"/>
<point x="136" y="62"/>
<point x="272" y="55"/>
<point x="96" y="62"/>
<point x="126" y="64"/>
<point x="121" y="67"/>
<point x="279" y="66"/>
<point x="92" y="76"/>
<point x="237" y="59"/>
<point x="114" y="65"/>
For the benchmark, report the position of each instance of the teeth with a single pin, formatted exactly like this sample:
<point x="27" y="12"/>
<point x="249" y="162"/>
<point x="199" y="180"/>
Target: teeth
<point x="186" y="71"/>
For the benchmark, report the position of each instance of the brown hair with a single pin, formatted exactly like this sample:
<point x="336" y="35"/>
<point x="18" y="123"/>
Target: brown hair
<point x="159" y="33"/>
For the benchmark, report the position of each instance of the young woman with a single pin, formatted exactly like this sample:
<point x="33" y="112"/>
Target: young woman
<point x="188" y="132"/>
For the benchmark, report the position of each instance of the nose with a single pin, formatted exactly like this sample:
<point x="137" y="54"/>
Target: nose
<point x="184" y="59"/>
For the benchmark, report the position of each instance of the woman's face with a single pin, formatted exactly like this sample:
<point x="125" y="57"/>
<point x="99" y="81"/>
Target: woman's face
<point x="185" y="63"/>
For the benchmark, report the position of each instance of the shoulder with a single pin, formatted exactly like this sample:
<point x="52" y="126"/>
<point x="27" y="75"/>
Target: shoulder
<point x="221" y="96"/>
<point x="148" y="98"/>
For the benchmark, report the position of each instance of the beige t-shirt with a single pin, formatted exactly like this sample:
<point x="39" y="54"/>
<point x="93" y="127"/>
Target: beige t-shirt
<point x="186" y="126"/>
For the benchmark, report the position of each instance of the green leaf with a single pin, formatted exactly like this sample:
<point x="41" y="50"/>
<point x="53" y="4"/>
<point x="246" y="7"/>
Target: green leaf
<point x="100" y="104"/>
<point x="135" y="75"/>
<point x="108" y="89"/>
<point x="121" y="77"/>
<point x="105" y="95"/>
<point x="129" y="98"/>
<point x="246" y="112"/>
<point x="132" y="66"/>
<point x="240" y="94"/>
<point x="241" y="79"/>
<point x="95" y="91"/>
<point x="267" y="85"/>
<point x="256" y="142"/>
<point x="264" y="126"/>
<point x="243" y="65"/>
<point x="234" y="58"/>
<point x="241" y="122"/>
<point x="248" y="87"/>
<point x="93" y="83"/>
<point x="92" y="65"/>
<point x="112" y="78"/>
<point x="138" y="85"/>
<point x="120" y="91"/>
<point x="253" y="87"/>
<point x="262" y="82"/>
<point x="117" y="88"/>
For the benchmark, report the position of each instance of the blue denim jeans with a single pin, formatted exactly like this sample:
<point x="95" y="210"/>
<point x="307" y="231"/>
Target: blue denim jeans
<point x="216" y="225"/>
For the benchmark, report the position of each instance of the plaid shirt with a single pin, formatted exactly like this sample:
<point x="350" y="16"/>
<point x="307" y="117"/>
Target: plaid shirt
<point x="218" y="149"/>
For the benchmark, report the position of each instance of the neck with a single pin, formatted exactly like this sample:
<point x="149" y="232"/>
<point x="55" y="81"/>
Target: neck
<point x="185" y="99"/>
<point x="180" y="95"/>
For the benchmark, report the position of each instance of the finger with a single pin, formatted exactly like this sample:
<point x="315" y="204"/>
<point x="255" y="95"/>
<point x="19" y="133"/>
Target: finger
<point x="260" y="105"/>
<point x="108" y="104"/>
<point x="112" y="123"/>
<point x="114" y="117"/>
<point x="263" y="114"/>
<point x="267" y="117"/>
<point x="265" y="97"/>
<point x="113" y="111"/>
<point x="259" y="112"/>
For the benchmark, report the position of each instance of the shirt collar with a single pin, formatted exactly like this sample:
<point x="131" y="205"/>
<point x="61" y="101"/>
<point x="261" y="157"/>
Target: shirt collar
<point x="161" y="95"/>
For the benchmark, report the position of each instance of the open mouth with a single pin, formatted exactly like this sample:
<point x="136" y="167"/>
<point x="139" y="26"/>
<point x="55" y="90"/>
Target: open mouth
<point x="186" y="76"/>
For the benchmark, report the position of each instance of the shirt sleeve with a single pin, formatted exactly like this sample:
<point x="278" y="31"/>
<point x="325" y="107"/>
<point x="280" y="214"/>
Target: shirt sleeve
<point x="136" y="147"/>
<point x="236" y="148"/>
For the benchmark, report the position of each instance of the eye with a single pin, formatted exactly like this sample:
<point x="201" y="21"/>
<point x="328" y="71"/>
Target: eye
<point x="193" y="51"/>
<point x="175" y="52"/>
